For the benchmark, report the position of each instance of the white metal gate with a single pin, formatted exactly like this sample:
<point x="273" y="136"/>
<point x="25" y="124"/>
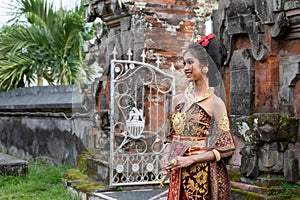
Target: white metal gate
<point x="141" y="97"/>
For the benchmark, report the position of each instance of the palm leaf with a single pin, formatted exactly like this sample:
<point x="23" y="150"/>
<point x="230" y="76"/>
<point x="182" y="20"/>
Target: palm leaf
<point x="50" y="44"/>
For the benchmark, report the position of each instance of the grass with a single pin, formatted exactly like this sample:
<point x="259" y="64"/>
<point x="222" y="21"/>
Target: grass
<point x="43" y="182"/>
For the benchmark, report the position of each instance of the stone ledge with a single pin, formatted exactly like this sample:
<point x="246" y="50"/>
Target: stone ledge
<point x="42" y="98"/>
<point x="46" y="98"/>
<point x="12" y="166"/>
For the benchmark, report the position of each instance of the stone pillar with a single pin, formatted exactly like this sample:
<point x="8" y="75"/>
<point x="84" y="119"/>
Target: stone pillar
<point x="241" y="83"/>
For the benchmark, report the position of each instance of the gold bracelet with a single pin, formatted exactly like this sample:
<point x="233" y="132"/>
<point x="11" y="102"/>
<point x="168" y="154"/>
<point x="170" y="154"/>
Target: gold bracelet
<point x="217" y="154"/>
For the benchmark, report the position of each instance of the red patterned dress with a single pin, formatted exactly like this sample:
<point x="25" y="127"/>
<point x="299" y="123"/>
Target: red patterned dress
<point x="205" y="180"/>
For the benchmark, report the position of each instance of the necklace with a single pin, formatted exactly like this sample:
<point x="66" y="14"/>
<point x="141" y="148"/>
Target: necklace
<point x="179" y="118"/>
<point x="191" y="99"/>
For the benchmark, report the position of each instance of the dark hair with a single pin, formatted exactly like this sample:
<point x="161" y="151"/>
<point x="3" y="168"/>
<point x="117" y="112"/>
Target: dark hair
<point x="217" y="52"/>
<point x="213" y="55"/>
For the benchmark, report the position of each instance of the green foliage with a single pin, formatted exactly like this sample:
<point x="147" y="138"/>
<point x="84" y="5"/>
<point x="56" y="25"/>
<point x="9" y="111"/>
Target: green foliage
<point x="290" y="188"/>
<point x="283" y="120"/>
<point x="42" y="182"/>
<point x="48" y="45"/>
<point x="119" y="188"/>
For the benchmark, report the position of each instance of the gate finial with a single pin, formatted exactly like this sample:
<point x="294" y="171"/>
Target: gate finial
<point x="157" y="61"/>
<point x="129" y="54"/>
<point x="172" y="68"/>
<point x="143" y="56"/>
<point x="115" y="53"/>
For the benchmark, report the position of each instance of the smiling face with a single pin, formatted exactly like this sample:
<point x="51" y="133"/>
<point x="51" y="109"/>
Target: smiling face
<point x="192" y="67"/>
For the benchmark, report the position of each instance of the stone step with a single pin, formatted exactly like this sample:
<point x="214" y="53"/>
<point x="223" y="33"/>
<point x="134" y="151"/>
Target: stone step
<point x="243" y="191"/>
<point x="12" y="166"/>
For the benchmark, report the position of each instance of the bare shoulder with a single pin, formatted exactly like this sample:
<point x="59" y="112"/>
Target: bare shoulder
<point x="218" y="104"/>
<point x="179" y="98"/>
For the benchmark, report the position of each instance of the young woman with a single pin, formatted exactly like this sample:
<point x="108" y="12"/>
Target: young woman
<point x="200" y="122"/>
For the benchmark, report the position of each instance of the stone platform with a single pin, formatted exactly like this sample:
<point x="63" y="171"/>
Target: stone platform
<point x="12" y="166"/>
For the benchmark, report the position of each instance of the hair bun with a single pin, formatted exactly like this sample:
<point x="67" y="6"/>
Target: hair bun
<point x="214" y="48"/>
<point x="217" y="52"/>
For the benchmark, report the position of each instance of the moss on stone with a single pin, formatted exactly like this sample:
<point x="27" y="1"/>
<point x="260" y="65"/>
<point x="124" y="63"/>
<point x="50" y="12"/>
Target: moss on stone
<point x="81" y="182"/>
<point x="235" y="176"/>
<point x="82" y="160"/>
<point x="74" y="174"/>
<point x="86" y="186"/>
<point x="82" y="163"/>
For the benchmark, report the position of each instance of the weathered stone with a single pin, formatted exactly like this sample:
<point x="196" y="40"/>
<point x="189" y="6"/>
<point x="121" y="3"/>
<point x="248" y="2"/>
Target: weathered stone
<point x="12" y="166"/>
<point x="246" y="130"/>
<point x="288" y="126"/>
<point x="249" y="166"/>
<point x="270" y="159"/>
<point x="269" y="139"/>
<point x="32" y="137"/>
<point x="267" y="118"/>
<point x="291" y="4"/>
<point x="267" y="133"/>
<point x="46" y="98"/>
<point x="98" y="167"/>
<point x="281" y="25"/>
<point x="240" y="104"/>
<point x="264" y="10"/>
<point x="290" y="171"/>
<point x="288" y="71"/>
<point x="241" y="83"/>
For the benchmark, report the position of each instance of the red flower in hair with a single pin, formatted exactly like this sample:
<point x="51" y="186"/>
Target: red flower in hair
<point x="204" y="40"/>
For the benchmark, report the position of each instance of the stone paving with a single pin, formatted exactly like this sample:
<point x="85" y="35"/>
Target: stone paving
<point x="145" y="194"/>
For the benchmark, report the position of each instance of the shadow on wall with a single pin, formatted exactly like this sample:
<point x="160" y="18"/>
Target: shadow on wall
<point x="39" y="121"/>
<point x="31" y="138"/>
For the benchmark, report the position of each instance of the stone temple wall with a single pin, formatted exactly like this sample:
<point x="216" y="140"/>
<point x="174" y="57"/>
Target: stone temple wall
<point x="54" y="122"/>
<point x="263" y="40"/>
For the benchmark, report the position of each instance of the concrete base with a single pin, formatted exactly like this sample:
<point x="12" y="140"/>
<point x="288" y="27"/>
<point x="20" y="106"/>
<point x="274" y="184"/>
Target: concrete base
<point x="12" y="166"/>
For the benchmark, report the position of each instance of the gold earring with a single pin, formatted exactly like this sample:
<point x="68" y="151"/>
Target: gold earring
<point x="204" y="69"/>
